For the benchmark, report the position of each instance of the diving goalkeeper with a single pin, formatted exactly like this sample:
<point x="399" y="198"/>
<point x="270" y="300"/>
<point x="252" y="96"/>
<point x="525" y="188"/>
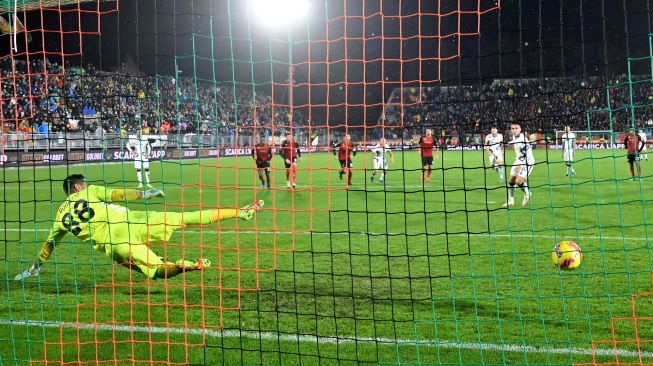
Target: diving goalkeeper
<point x="90" y="214"/>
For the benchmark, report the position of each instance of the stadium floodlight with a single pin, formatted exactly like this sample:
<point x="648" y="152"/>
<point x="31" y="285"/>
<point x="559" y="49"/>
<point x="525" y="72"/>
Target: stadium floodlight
<point x="279" y="12"/>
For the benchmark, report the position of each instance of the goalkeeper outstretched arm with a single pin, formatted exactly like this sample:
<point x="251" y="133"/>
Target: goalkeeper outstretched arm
<point x="118" y="195"/>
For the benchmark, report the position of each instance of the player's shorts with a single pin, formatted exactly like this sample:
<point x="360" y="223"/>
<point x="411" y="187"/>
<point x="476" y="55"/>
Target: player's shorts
<point x="380" y="164"/>
<point x="524" y="173"/>
<point x="140" y="165"/>
<point x="568" y="156"/>
<point x="138" y="257"/>
<point x="427" y="160"/>
<point x="294" y="161"/>
<point x="346" y="163"/>
<point x="634" y="157"/>
<point x="263" y="165"/>
<point x="495" y="157"/>
<point x="129" y="241"/>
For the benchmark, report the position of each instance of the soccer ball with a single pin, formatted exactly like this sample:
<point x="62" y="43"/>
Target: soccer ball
<point x="567" y="255"/>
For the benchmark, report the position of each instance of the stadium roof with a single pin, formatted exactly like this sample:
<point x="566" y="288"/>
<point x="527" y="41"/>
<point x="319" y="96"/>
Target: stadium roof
<point x="7" y="6"/>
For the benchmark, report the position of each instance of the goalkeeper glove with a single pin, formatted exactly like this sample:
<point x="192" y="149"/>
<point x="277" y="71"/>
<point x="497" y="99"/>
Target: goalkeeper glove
<point x="247" y="213"/>
<point x="33" y="271"/>
<point x="153" y="193"/>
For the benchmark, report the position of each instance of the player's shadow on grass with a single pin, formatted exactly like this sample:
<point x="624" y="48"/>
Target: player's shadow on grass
<point x="466" y="307"/>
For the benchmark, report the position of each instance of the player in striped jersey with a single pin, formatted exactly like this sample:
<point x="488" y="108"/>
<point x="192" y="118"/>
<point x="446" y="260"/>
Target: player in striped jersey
<point x="494" y="148"/>
<point x="568" y="150"/>
<point x="380" y="160"/>
<point x="141" y="149"/>
<point x="522" y="167"/>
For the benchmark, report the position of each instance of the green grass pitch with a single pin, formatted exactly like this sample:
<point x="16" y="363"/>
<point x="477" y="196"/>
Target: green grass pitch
<point x="401" y="273"/>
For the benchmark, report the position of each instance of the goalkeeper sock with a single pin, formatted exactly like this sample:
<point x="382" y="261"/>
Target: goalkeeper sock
<point x="429" y="173"/>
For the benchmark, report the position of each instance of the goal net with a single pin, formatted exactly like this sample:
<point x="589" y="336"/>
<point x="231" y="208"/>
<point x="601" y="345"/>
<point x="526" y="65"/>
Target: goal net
<point x="256" y="192"/>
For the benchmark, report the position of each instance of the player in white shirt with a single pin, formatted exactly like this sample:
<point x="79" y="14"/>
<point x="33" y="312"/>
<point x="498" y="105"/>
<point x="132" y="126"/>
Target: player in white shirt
<point x="642" y="137"/>
<point x="141" y="149"/>
<point x="494" y="147"/>
<point x="380" y="160"/>
<point x="568" y="150"/>
<point x="522" y="167"/>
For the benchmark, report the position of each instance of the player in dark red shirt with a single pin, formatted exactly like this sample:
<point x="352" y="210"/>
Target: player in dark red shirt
<point x="291" y="155"/>
<point x="344" y="150"/>
<point x="426" y="144"/>
<point x="262" y="154"/>
<point x="635" y="145"/>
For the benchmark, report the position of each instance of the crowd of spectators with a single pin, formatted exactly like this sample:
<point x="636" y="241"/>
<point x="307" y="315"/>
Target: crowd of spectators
<point x="541" y="105"/>
<point x="44" y="97"/>
<point x="75" y="99"/>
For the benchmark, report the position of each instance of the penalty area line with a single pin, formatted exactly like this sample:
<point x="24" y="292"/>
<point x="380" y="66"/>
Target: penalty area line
<point x="344" y="340"/>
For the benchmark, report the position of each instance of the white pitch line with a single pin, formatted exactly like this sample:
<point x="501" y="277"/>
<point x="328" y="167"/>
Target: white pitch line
<point x="269" y="336"/>
<point x="535" y="235"/>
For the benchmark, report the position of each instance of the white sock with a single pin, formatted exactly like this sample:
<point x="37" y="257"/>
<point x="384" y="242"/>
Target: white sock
<point x="139" y="177"/>
<point x="524" y="187"/>
<point x="382" y="176"/>
<point x="511" y="191"/>
<point x="147" y="177"/>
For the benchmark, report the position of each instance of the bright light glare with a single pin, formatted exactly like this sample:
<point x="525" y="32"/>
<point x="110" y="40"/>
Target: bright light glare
<point x="279" y="12"/>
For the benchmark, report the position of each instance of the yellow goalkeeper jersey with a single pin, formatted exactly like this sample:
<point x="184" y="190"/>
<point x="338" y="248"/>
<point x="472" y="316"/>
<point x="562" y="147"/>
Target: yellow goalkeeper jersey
<point x="90" y="216"/>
